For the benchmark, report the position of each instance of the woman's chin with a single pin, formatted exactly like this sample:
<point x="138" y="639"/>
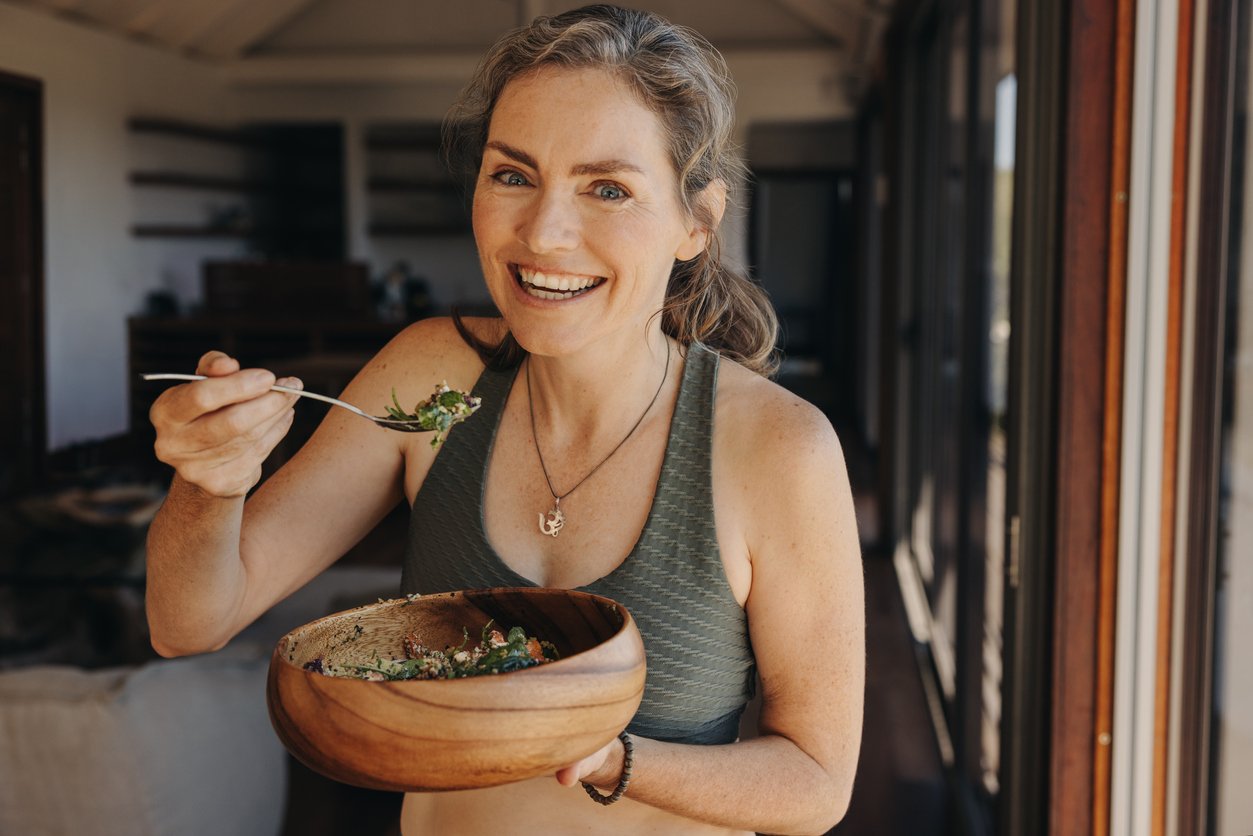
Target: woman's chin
<point x="550" y="339"/>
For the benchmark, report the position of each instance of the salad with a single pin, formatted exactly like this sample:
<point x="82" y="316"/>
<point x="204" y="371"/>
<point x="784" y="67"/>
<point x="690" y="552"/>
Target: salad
<point x="495" y="653"/>
<point x="444" y="408"/>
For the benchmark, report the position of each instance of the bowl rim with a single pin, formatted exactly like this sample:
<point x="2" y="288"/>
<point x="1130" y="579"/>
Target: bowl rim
<point x="280" y="648"/>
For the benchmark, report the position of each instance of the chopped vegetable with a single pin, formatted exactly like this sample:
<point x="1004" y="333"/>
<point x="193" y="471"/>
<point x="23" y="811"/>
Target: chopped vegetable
<point x="444" y="408"/>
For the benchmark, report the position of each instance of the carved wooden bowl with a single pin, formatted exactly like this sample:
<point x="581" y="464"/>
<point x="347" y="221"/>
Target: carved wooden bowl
<point x="481" y="731"/>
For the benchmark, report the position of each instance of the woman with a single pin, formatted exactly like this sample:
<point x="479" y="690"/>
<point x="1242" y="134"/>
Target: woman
<point x="629" y="443"/>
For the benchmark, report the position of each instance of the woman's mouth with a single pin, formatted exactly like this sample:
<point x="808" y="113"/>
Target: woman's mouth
<point x="554" y="286"/>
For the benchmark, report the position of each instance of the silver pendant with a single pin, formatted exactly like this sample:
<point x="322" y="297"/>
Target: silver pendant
<point x="551" y="525"/>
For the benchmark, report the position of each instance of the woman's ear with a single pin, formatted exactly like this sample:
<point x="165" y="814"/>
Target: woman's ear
<point x="713" y="199"/>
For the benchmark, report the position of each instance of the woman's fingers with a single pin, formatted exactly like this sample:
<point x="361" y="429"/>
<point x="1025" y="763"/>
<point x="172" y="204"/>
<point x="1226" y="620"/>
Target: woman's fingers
<point x="192" y="400"/>
<point x="217" y="364"/>
<point x="589" y="768"/>
<point x="217" y="432"/>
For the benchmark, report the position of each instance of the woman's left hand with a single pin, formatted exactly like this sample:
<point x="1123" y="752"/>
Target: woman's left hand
<point x="601" y="769"/>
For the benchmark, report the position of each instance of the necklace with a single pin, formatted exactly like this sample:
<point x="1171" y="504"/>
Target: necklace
<point x="552" y="523"/>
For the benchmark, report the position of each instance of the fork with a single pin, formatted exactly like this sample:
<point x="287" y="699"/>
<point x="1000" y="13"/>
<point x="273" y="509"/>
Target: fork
<point x="390" y="423"/>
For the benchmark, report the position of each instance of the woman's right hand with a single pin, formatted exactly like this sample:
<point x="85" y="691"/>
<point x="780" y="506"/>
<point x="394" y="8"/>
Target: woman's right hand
<point x="216" y="433"/>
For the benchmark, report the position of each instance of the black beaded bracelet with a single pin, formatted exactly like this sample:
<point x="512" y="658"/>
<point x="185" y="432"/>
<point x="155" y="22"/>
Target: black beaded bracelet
<point x="628" y="761"/>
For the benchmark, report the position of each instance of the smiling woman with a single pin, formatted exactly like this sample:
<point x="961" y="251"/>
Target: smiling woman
<point x="677" y="478"/>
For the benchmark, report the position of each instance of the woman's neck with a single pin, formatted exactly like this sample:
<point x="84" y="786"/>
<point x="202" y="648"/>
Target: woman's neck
<point x="603" y="388"/>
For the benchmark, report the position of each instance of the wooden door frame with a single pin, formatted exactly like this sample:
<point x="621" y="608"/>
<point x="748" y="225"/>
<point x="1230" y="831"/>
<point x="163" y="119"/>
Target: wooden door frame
<point x="1066" y="318"/>
<point x="31" y="468"/>
<point x="1096" y="148"/>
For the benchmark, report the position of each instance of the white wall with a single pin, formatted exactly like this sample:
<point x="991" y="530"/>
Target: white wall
<point x="96" y="274"/>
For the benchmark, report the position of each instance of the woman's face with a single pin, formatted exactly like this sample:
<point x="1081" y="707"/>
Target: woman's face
<point x="576" y="211"/>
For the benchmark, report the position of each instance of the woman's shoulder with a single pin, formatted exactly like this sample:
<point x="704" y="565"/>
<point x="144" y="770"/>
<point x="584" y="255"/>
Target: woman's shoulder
<point x="440" y="334"/>
<point x="772" y="446"/>
<point x="426" y="353"/>
<point x="769" y="434"/>
<point x="437" y="343"/>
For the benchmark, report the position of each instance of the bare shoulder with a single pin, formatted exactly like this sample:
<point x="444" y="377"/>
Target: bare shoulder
<point x="427" y="353"/>
<point x="767" y="433"/>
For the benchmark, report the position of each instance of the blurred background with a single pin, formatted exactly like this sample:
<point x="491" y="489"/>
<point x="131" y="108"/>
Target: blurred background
<point x="1005" y="243"/>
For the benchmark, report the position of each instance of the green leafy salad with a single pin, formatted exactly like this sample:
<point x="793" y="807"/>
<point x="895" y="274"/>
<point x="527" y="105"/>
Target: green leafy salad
<point x="444" y="408"/>
<point x="496" y="653"/>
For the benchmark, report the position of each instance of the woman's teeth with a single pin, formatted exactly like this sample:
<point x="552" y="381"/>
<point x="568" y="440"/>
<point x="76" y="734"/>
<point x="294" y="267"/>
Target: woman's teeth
<point x="555" y="287"/>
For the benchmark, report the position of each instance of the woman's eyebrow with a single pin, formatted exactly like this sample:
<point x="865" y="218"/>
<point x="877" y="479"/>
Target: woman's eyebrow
<point x="603" y="168"/>
<point x="600" y="168"/>
<point x="515" y="154"/>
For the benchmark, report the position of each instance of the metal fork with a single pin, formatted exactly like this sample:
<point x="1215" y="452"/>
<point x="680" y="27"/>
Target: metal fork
<point x="390" y="423"/>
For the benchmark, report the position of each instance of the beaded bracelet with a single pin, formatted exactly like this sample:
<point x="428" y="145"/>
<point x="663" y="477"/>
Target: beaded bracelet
<point x="627" y="762"/>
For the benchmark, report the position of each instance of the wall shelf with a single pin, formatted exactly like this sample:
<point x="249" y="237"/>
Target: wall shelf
<point x="187" y="130"/>
<point x="397" y="185"/>
<point x="412" y="145"/>
<point x="177" y="231"/>
<point x="285" y="187"/>
<point x="410" y="193"/>
<point x="418" y="230"/>
<point x="180" y="180"/>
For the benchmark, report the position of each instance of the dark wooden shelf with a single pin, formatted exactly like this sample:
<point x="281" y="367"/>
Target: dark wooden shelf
<point x="418" y="230"/>
<point x="175" y="231"/>
<point x="188" y="130"/>
<point x="183" y="231"/>
<point x="411" y="145"/>
<point x="396" y="185"/>
<point x="198" y="181"/>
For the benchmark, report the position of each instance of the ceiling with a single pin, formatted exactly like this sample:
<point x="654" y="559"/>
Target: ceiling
<point x="240" y="31"/>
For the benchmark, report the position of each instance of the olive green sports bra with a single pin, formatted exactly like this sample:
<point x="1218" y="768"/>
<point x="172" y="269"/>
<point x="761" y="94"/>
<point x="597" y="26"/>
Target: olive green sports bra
<point x="700" y="661"/>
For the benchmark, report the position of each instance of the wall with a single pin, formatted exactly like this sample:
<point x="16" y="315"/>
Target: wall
<point x="96" y="274"/>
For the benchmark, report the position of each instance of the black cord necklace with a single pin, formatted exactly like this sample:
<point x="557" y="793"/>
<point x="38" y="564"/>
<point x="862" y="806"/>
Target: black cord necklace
<point x="552" y="523"/>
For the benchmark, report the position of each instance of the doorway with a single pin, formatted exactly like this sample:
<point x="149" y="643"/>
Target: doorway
<point x="22" y="407"/>
<point x="802" y="249"/>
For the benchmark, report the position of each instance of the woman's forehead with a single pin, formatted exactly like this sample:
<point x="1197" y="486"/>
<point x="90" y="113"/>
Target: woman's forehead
<point x="577" y="113"/>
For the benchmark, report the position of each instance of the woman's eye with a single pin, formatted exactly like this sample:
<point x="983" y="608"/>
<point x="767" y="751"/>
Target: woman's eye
<point x="608" y="191"/>
<point x="511" y="178"/>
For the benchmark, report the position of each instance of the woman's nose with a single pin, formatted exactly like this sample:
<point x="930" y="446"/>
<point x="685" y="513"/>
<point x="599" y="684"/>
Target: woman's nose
<point x="551" y="224"/>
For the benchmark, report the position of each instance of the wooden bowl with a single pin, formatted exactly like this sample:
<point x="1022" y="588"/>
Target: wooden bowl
<point x="454" y="734"/>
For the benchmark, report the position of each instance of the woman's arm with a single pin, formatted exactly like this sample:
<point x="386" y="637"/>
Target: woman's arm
<point x="807" y="621"/>
<point x="216" y="563"/>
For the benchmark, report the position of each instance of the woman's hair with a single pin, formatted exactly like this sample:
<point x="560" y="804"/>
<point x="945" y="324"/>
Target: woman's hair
<point x="680" y="77"/>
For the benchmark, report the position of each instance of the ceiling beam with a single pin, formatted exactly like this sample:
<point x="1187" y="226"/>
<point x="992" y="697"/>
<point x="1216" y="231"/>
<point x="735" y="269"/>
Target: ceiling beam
<point x="442" y="67"/>
<point x="455" y="67"/>
<point x="142" y="21"/>
<point x="835" y="21"/>
<point x="195" y="21"/>
<point x="250" y="23"/>
<point x="179" y="24"/>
